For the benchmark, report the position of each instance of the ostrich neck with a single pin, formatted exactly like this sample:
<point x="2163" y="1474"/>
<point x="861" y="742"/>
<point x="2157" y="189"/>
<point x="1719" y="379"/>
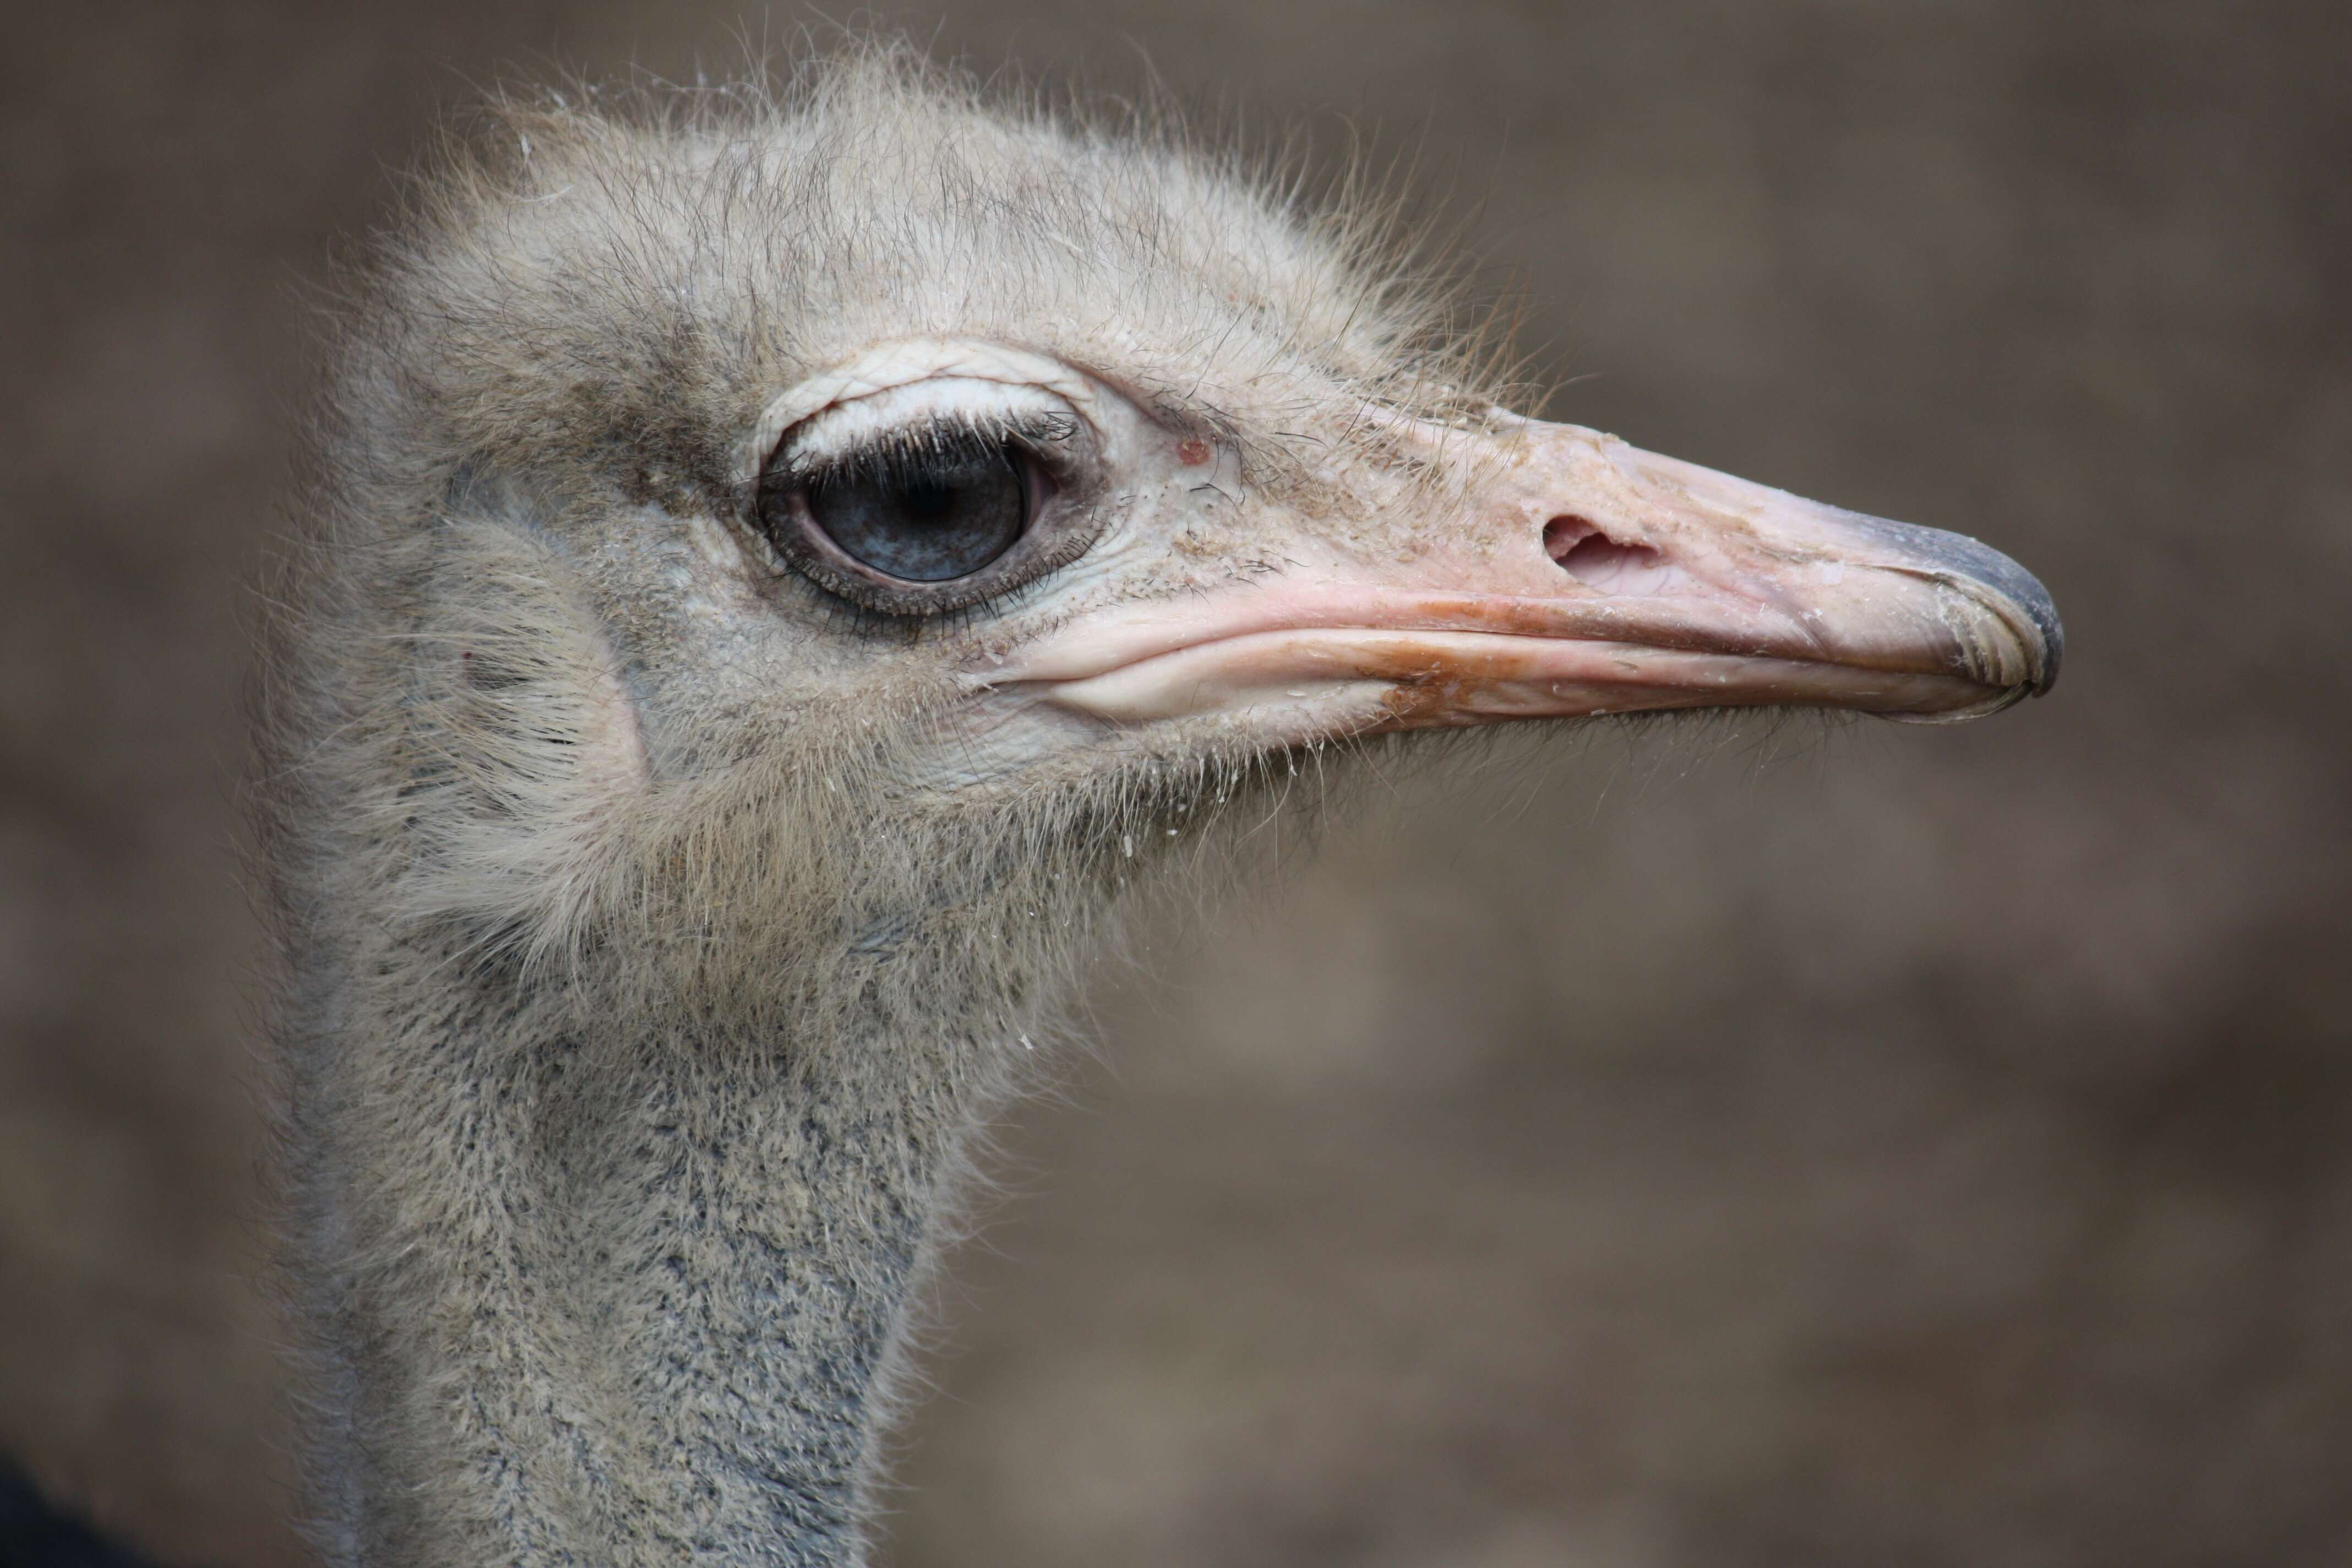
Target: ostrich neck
<point x="610" y="1295"/>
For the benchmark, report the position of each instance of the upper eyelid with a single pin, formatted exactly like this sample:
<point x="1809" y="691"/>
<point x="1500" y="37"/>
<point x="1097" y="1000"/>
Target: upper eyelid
<point x="905" y="416"/>
<point x="887" y="368"/>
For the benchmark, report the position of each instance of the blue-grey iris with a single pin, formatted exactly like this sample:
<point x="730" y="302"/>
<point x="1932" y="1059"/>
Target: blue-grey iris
<point x="928" y="516"/>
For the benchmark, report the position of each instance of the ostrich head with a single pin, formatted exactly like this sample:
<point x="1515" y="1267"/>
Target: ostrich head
<point x="779" y="566"/>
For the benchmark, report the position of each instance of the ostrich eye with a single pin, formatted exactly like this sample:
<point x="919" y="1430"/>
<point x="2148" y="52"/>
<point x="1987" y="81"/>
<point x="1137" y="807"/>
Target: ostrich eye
<point x="932" y="515"/>
<point x="933" y="496"/>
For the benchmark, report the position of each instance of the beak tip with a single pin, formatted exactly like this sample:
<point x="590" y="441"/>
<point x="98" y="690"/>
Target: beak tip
<point x="2014" y="593"/>
<point x="2025" y="607"/>
<point x="2031" y="612"/>
<point x="2033" y="606"/>
<point x="2054" y="644"/>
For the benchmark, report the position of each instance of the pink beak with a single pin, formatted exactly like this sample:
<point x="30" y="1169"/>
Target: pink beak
<point x="1580" y="576"/>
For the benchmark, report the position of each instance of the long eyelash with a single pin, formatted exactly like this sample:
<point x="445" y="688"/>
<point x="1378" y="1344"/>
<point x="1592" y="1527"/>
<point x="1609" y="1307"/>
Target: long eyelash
<point x="921" y="447"/>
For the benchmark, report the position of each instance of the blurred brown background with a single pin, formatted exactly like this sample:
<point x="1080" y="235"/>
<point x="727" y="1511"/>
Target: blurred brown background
<point x="1889" y="1145"/>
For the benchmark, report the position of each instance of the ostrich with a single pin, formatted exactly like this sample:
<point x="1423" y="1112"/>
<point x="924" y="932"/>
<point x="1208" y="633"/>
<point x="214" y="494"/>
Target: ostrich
<point x="781" y="569"/>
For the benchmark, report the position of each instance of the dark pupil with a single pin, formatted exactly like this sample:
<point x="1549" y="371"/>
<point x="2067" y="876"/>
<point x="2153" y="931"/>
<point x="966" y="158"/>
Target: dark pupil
<point x="926" y="516"/>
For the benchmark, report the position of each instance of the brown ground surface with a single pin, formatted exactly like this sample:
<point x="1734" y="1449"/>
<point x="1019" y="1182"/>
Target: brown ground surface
<point x="1767" y="1147"/>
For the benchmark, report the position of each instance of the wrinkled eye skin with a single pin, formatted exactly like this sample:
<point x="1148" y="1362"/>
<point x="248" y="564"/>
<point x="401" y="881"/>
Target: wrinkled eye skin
<point x="935" y="521"/>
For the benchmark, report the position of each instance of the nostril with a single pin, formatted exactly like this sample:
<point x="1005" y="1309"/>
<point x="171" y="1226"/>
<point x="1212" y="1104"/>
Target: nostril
<point x="1564" y="534"/>
<point x="1592" y="558"/>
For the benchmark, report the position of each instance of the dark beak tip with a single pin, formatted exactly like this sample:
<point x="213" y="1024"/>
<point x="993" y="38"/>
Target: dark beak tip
<point x="2028" y="604"/>
<point x="2033" y="604"/>
<point x="2054" y="636"/>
